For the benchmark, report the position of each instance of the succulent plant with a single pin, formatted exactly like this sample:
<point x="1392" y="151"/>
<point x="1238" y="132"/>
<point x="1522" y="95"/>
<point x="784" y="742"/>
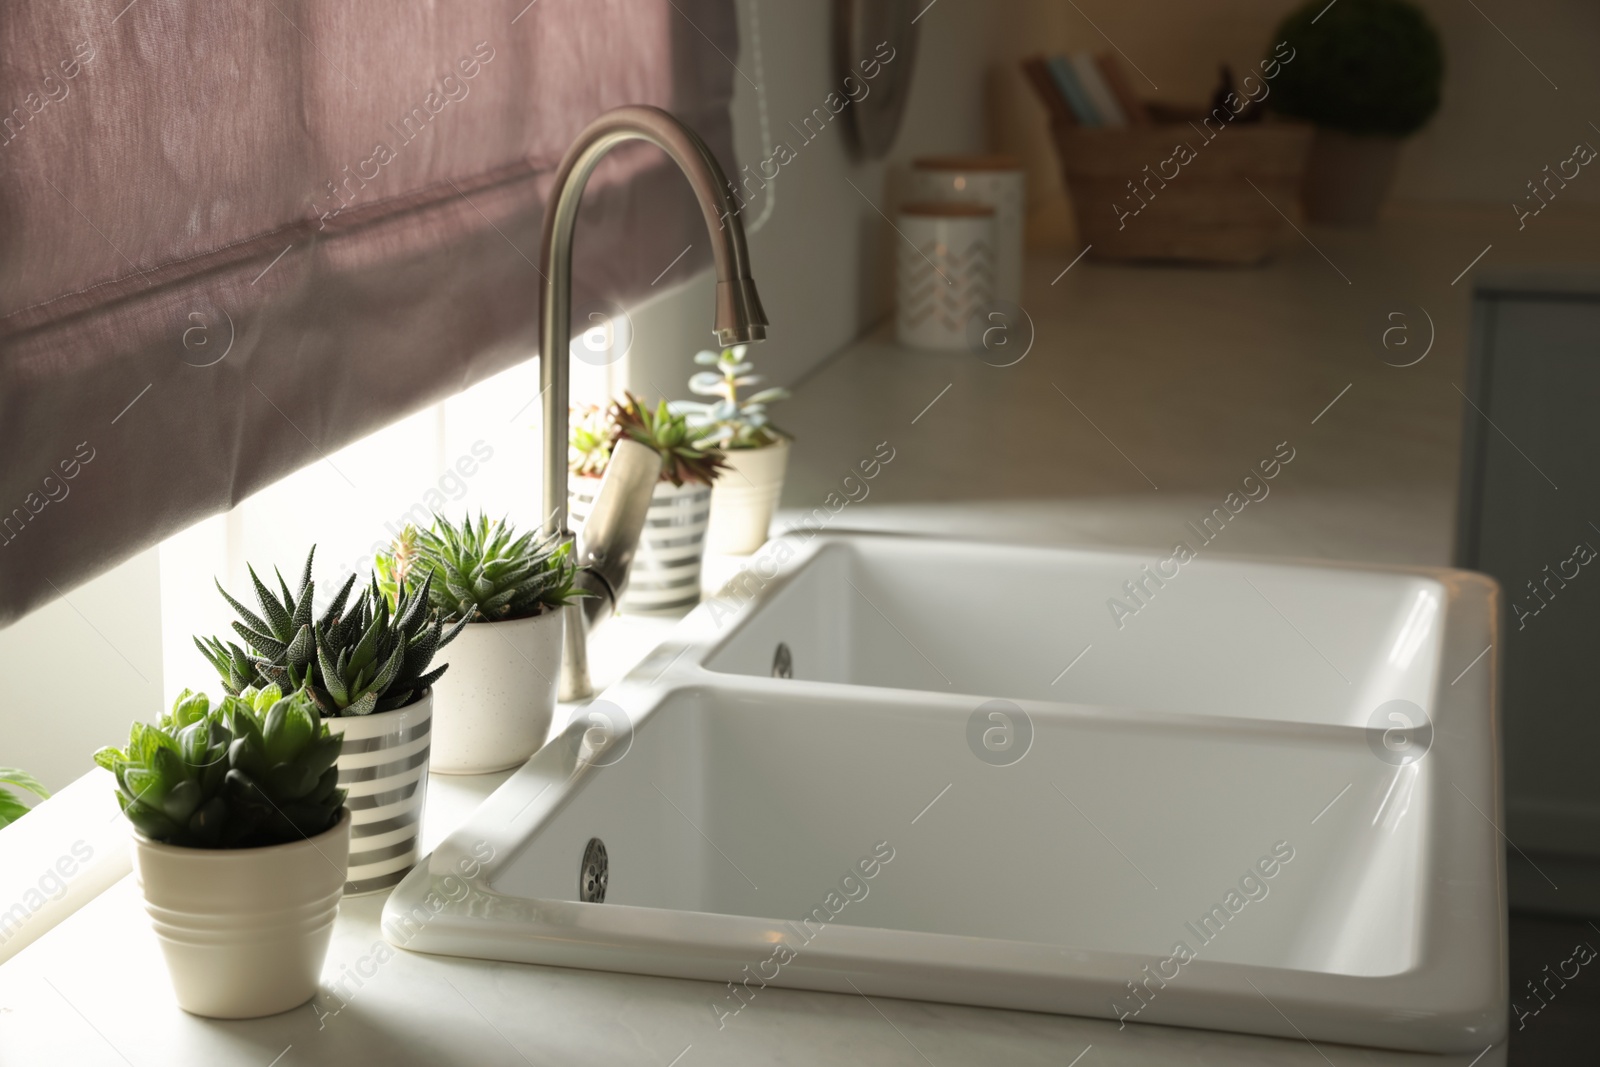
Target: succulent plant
<point x="356" y="661"/>
<point x="11" y="808"/>
<point x="590" y="438"/>
<point x="482" y="570"/>
<point x="684" y="455"/>
<point x="728" y="422"/>
<point x="257" y="769"/>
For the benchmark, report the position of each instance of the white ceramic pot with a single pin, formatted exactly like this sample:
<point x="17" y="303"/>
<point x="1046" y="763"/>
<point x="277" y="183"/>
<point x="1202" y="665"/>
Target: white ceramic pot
<point x="244" y="930"/>
<point x="492" y="708"/>
<point x="666" y="568"/>
<point x="945" y="273"/>
<point x="384" y="768"/>
<point x="996" y="182"/>
<point x="744" y="498"/>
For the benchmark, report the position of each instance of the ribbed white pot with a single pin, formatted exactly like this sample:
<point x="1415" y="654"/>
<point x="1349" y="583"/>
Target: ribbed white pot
<point x="744" y="498"/>
<point x="245" y="930"/>
<point x="384" y="768"/>
<point x="492" y="708"/>
<point x="666" y="568"/>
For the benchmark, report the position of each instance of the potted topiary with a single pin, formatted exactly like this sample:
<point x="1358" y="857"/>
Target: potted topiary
<point x="493" y="710"/>
<point x="1368" y="73"/>
<point x="240" y="845"/>
<point x="757" y="452"/>
<point x="367" y="668"/>
<point x="666" y="568"/>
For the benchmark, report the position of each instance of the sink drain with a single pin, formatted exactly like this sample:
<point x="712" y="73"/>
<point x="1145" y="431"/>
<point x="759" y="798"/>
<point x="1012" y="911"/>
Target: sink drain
<point x="782" y="662"/>
<point x="595" y="873"/>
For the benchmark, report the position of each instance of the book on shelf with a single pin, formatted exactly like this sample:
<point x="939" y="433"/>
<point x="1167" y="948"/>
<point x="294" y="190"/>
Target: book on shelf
<point x="1099" y="93"/>
<point x="1116" y="80"/>
<point x="1067" y="79"/>
<point x="1037" y="70"/>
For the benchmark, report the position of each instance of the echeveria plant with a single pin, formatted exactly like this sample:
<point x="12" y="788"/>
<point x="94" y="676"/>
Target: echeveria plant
<point x="729" y="422"/>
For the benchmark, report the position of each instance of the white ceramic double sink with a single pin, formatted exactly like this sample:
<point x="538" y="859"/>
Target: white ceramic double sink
<point x="1266" y="802"/>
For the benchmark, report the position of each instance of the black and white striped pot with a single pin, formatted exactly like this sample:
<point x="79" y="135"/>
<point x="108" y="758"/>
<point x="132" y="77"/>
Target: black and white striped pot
<point x="384" y="769"/>
<point x="666" y="568"/>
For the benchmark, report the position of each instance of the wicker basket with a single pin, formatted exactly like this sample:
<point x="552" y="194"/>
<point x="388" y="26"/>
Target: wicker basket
<point x="1207" y="212"/>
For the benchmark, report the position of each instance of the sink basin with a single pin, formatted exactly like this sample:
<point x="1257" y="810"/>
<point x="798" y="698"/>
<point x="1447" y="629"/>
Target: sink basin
<point x="1258" y="798"/>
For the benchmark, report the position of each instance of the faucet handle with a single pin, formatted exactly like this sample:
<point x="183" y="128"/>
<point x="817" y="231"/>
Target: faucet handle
<point x="610" y="535"/>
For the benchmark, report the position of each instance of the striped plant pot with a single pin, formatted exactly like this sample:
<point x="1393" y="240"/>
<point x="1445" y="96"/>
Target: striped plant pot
<point x="384" y="769"/>
<point x="666" y="569"/>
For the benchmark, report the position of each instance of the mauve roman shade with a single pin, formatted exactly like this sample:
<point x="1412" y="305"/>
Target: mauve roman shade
<point x="234" y="237"/>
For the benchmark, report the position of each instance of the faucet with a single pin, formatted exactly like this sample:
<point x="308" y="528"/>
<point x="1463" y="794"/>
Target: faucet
<point x="604" y="552"/>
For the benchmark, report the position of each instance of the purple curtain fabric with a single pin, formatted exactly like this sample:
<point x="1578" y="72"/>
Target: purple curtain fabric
<point x="234" y="237"/>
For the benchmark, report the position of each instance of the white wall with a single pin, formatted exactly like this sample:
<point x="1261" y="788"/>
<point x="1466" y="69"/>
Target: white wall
<point x="823" y="259"/>
<point x="79" y="670"/>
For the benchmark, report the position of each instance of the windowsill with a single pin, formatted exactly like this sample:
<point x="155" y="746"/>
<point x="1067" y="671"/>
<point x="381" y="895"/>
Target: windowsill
<point x="76" y="845"/>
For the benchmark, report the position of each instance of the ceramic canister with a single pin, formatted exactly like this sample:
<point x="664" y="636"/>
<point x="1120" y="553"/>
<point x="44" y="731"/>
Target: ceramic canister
<point x="945" y="272"/>
<point x="996" y="182"/>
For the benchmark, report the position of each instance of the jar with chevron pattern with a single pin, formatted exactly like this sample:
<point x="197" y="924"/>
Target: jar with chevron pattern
<point x="945" y="272"/>
<point x="384" y="770"/>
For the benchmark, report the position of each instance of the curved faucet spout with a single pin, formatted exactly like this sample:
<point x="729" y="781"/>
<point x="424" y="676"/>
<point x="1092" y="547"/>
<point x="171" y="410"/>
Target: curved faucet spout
<point x="738" y="318"/>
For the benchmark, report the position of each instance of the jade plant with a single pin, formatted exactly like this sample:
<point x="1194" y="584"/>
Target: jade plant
<point x="686" y="454"/>
<point x="481" y="570"/>
<point x="730" y="422"/>
<point x="255" y="770"/>
<point x="1371" y="67"/>
<point x="11" y="806"/>
<point x="359" y="657"/>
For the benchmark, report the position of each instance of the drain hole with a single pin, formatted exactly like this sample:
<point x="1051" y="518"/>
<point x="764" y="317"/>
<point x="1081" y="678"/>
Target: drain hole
<point x="782" y="662"/>
<point x="595" y="873"/>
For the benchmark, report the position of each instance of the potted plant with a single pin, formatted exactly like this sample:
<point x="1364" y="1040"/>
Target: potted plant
<point x="240" y="845"/>
<point x="1368" y="74"/>
<point x="666" y="569"/>
<point x="11" y="807"/>
<point x="757" y="452"/>
<point x="367" y="668"/>
<point x="494" y="709"/>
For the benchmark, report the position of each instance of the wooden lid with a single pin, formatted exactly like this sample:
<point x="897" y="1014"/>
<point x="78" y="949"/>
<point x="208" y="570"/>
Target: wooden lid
<point x="947" y="211"/>
<point x="968" y="163"/>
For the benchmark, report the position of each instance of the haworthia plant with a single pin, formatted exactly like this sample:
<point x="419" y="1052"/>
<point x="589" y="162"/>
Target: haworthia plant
<point x="356" y="658"/>
<point x="482" y="570"/>
<point x="258" y="769"/>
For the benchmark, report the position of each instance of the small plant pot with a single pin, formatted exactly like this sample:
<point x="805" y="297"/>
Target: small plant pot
<point x="244" y="930"/>
<point x="384" y="768"/>
<point x="666" y="568"/>
<point x="744" y="498"/>
<point x="494" y="704"/>
<point x="1348" y="177"/>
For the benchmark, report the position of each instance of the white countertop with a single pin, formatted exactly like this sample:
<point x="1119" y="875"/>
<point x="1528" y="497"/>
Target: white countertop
<point x="1234" y="362"/>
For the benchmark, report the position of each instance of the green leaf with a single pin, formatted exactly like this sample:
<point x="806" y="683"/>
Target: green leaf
<point x="21" y="779"/>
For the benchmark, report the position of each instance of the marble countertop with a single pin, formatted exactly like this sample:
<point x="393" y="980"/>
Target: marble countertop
<point x="1145" y="392"/>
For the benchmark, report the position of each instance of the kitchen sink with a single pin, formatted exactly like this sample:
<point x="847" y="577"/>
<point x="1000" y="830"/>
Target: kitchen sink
<point x="1257" y="796"/>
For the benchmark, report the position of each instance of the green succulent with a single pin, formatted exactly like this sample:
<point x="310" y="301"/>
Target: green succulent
<point x="589" y="439"/>
<point x="730" y="423"/>
<point x="1366" y="67"/>
<point x="258" y="769"/>
<point x="366" y="658"/>
<point x="685" y="455"/>
<point x="481" y="570"/>
<point x="11" y="808"/>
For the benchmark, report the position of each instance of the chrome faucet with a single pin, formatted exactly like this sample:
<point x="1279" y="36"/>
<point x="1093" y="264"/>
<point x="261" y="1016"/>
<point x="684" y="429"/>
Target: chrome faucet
<point x="604" y="552"/>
